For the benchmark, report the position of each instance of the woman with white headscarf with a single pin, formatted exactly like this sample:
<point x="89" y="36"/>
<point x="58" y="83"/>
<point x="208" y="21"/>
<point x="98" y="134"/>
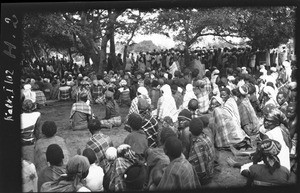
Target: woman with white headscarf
<point x="269" y="96"/>
<point x="189" y="94"/>
<point x="166" y="105"/>
<point x="142" y="92"/>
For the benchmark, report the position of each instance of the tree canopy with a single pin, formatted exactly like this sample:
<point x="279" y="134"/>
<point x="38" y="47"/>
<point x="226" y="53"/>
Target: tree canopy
<point x="88" y="32"/>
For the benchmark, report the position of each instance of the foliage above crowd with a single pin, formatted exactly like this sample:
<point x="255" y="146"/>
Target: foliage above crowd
<point x="90" y="32"/>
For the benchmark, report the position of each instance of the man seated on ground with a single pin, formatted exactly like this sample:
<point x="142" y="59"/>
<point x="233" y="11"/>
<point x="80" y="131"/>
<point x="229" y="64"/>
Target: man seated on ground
<point x="96" y="91"/>
<point x="179" y="174"/>
<point x="49" y="130"/>
<point x="55" y="156"/>
<point x="157" y="160"/>
<point x="99" y="142"/>
<point x="112" y="113"/>
<point x="136" y="138"/>
<point x="81" y="113"/>
<point x="202" y="152"/>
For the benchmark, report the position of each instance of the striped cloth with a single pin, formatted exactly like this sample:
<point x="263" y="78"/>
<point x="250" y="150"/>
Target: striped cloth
<point x="219" y="118"/>
<point x="64" y="93"/>
<point x="112" y="122"/>
<point x="179" y="175"/>
<point x="40" y="97"/>
<point x="99" y="143"/>
<point x="203" y="101"/>
<point x="227" y="131"/>
<point x="117" y="182"/>
<point x="96" y="91"/>
<point x="207" y="85"/>
<point x="249" y="121"/>
<point x="201" y="156"/>
<point x="150" y="127"/>
<point x="80" y="107"/>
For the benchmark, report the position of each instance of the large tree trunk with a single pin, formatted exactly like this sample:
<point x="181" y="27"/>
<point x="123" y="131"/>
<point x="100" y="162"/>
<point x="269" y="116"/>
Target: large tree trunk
<point x="186" y="57"/>
<point x="86" y="58"/>
<point x="112" y="49"/>
<point x="103" y="62"/>
<point x="125" y="54"/>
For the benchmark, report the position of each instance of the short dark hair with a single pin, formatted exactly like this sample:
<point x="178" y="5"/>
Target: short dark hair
<point x="90" y="154"/>
<point x="49" y="128"/>
<point x="94" y="125"/>
<point x="54" y="154"/>
<point x="173" y="147"/>
<point x="193" y="104"/>
<point x="83" y="97"/>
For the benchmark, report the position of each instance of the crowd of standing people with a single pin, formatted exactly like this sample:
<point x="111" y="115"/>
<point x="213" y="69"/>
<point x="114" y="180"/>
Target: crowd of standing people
<point x="180" y="115"/>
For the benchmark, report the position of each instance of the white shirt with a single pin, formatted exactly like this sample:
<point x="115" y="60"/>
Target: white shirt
<point x="94" y="180"/>
<point x="29" y="119"/>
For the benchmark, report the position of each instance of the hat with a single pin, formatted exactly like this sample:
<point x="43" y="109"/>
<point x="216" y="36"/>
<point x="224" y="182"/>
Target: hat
<point x="185" y="114"/>
<point x="270" y="147"/>
<point x="142" y="90"/>
<point x="200" y="83"/>
<point x="95" y="82"/>
<point x="243" y="90"/>
<point x="135" y="121"/>
<point x="135" y="176"/>
<point x="143" y="104"/>
<point x="292" y="85"/>
<point x="54" y="154"/>
<point x="286" y="63"/>
<point x="111" y="153"/>
<point x="27" y="86"/>
<point x="166" y="132"/>
<point x="219" y="99"/>
<point x="273" y="69"/>
<point x="230" y="78"/>
<point x="90" y="154"/>
<point x="84" y="82"/>
<point x="196" y="126"/>
<point x="123" y="82"/>
<point x="49" y="128"/>
<point x="28" y="105"/>
<point x="166" y="75"/>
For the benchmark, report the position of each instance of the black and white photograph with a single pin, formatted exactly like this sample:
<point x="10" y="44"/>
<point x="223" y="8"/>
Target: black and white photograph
<point x="164" y="95"/>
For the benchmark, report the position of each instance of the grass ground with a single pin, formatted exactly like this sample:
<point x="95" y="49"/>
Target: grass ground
<point x="60" y="111"/>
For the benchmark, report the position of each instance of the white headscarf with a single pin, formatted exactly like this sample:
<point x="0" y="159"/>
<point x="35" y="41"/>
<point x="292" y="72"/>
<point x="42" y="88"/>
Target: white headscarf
<point x="271" y="94"/>
<point x="189" y="94"/>
<point x="167" y="105"/>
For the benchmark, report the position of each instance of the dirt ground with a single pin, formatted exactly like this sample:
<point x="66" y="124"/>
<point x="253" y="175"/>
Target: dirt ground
<point x="59" y="112"/>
